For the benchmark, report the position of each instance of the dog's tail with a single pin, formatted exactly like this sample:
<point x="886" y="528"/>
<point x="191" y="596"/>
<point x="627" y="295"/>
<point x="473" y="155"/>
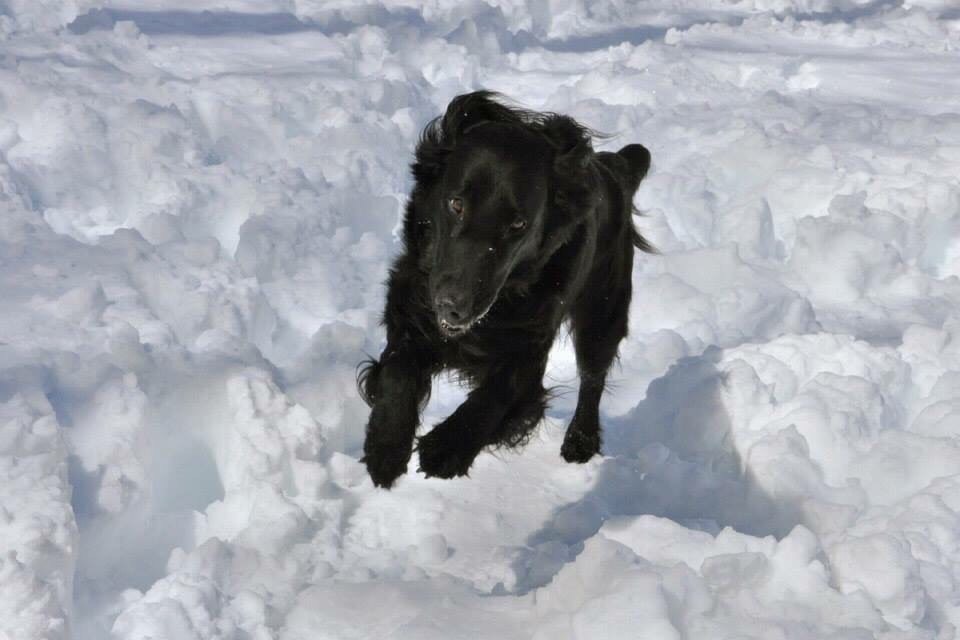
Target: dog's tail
<point x="638" y="164"/>
<point x="637" y="159"/>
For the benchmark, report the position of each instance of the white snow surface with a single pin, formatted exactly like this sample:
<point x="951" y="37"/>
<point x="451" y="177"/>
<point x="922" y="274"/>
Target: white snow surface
<point x="198" y="204"/>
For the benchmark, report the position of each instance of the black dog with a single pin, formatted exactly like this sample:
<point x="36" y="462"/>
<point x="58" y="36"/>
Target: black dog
<point x="514" y="225"/>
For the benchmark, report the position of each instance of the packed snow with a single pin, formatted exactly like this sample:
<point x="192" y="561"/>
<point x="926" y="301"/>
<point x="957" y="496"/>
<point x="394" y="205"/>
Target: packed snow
<point x="198" y="204"/>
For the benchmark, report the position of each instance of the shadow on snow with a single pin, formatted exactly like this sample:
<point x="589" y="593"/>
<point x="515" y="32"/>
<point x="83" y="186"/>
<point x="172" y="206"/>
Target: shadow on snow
<point x="671" y="456"/>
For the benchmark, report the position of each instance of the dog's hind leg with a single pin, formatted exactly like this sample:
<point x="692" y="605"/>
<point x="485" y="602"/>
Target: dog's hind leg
<point x="520" y="421"/>
<point x="525" y="414"/>
<point x="599" y="324"/>
<point x="508" y="399"/>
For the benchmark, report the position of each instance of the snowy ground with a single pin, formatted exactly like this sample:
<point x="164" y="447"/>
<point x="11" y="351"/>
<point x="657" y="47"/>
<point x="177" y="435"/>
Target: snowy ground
<point x="196" y="213"/>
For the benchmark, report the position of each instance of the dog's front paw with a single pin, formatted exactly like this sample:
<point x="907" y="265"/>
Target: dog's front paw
<point x="385" y="462"/>
<point x="579" y="445"/>
<point x="446" y="452"/>
<point x="389" y="443"/>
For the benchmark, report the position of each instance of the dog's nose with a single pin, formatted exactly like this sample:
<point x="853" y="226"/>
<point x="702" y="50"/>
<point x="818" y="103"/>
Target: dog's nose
<point x="450" y="309"/>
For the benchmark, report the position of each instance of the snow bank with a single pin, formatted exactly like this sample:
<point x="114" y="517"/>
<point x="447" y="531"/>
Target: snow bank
<point x="37" y="525"/>
<point x="198" y="204"/>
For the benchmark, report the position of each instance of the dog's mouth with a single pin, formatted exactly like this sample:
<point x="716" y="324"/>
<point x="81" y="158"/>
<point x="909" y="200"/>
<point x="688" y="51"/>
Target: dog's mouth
<point x="454" y="330"/>
<point x="450" y="330"/>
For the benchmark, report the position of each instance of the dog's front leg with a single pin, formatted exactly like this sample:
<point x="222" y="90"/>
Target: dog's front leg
<point x="396" y="385"/>
<point x="451" y="447"/>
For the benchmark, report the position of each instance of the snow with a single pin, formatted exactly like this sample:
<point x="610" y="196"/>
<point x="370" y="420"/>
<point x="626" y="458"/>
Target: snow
<point x="198" y="204"/>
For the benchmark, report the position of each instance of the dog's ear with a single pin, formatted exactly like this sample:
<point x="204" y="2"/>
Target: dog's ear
<point x="572" y="142"/>
<point x="470" y="109"/>
<point x="441" y="134"/>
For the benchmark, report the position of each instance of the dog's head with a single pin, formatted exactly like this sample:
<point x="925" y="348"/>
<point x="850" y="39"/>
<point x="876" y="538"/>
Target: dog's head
<point x="495" y="186"/>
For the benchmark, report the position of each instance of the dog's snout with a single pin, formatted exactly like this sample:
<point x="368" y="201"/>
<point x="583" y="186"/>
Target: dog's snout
<point x="451" y="308"/>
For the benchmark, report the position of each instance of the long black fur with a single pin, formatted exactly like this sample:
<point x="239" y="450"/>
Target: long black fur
<point x="514" y="226"/>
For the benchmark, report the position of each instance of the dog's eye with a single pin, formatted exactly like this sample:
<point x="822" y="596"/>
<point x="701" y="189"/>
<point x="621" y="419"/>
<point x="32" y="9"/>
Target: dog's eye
<point x="518" y="225"/>
<point x="455" y="205"/>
